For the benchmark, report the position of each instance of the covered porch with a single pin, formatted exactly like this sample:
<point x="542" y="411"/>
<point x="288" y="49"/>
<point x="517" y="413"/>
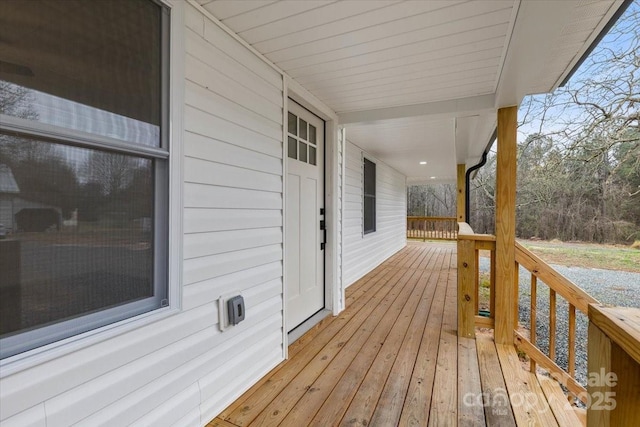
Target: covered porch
<point x="394" y="357"/>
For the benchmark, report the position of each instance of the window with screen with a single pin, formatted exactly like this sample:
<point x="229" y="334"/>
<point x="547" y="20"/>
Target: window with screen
<point x="84" y="168"/>
<point x="369" y="211"/>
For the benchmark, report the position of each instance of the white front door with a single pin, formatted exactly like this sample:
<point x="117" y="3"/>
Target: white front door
<point x="305" y="210"/>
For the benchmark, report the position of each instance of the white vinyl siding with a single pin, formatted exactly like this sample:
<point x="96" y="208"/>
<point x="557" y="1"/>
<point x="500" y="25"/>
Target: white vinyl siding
<point x="362" y="253"/>
<point x="181" y="370"/>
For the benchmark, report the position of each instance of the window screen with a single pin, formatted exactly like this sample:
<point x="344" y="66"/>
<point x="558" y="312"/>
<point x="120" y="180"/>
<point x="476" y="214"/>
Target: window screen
<point x="369" y="211"/>
<point x="83" y="166"/>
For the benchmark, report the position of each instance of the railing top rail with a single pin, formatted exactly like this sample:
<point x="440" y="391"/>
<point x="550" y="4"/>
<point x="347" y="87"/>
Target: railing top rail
<point x="465" y="232"/>
<point x="575" y="295"/>
<point x="620" y="324"/>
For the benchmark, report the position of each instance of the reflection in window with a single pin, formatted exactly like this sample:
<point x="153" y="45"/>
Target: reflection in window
<point x="81" y="223"/>
<point x="83" y="219"/>
<point x="369" y="211"/>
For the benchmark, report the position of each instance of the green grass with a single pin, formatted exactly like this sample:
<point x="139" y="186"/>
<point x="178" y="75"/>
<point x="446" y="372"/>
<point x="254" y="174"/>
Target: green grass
<point x="608" y="257"/>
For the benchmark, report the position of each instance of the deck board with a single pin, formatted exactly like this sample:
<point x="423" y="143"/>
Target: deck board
<point x="392" y="357"/>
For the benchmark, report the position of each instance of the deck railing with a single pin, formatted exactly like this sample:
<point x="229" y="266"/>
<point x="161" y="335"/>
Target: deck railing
<point x="576" y="298"/>
<point x="614" y="332"/>
<point x="474" y="301"/>
<point x="432" y="228"/>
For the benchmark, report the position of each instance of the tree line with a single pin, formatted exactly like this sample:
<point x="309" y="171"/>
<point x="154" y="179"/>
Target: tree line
<point x="578" y="153"/>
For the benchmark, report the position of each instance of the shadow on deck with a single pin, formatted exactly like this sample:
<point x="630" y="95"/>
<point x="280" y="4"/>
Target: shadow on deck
<point x="393" y="357"/>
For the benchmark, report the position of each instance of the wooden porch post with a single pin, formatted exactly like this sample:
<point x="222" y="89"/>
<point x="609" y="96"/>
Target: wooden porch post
<point x="462" y="191"/>
<point x="505" y="287"/>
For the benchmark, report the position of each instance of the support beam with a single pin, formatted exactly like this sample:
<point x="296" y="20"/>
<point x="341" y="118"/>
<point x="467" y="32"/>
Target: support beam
<point x="448" y="108"/>
<point x="462" y="191"/>
<point x="506" y="287"/>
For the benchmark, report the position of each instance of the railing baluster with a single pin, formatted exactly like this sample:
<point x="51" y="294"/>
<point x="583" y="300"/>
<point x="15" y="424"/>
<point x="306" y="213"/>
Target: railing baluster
<point x="477" y="253"/>
<point x="492" y="285"/>
<point x="572" y="340"/>
<point x="552" y="324"/>
<point x="533" y="312"/>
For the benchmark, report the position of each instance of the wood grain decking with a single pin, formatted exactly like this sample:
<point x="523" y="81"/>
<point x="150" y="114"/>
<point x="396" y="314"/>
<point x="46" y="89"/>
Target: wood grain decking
<point x="393" y="358"/>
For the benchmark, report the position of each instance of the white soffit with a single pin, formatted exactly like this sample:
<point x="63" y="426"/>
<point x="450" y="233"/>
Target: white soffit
<point x="361" y="55"/>
<point x="419" y="78"/>
<point x="404" y="143"/>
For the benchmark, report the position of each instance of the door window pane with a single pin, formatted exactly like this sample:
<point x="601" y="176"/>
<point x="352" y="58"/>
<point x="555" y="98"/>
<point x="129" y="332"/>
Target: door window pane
<point x="303" y="129"/>
<point x="312" y="155"/>
<point x="293" y="124"/>
<point x="312" y="134"/>
<point x="302" y="153"/>
<point x="292" y="150"/>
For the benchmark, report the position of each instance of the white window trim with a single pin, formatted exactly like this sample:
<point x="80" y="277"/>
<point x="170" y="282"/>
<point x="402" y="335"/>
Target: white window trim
<point x="23" y="361"/>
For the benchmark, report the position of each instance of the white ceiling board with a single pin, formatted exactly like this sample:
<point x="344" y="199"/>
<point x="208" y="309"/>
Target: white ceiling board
<point x="444" y="93"/>
<point x="413" y="29"/>
<point x="312" y="18"/>
<point x="436" y="76"/>
<point x="403" y="143"/>
<point x="223" y="9"/>
<point x="271" y="12"/>
<point x="377" y="61"/>
<point x="347" y="79"/>
<point x="314" y="35"/>
<point x="444" y="109"/>
<point x="395" y="52"/>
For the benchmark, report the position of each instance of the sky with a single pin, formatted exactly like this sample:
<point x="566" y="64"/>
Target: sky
<point x="622" y="39"/>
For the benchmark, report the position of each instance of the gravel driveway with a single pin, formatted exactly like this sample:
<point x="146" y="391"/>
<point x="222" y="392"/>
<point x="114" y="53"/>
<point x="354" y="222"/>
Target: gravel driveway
<point x="617" y="288"/>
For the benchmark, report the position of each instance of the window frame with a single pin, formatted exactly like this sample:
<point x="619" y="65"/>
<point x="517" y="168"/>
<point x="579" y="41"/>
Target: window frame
<point x="368" y="196"/>
<point x="163" y="160"/>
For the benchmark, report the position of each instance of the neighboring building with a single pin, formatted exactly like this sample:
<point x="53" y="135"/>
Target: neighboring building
<point x="272" y="144"/>
<point x="8" y="194"/>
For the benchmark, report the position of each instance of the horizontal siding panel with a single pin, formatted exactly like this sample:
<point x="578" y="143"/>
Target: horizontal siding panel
<point x="151" y="373"/>
<point x="175" y="375"/>
<point x="205" y="220"/>
<point x="211" y="79"/>
<point x="205" y="124"/>
<point x="203" y="268"/>
<point x="193" y="418"/>
<point x="44" y="381"/>
<point x="212" y="103"/>
<point x="257" y="360"/>
<point x="208" y="196"/>
<point x="212" y="173"/>
<point x="212" y="56"/>
<point x="194" y="20"/>
<point x="201" y="147"/>
<point x="362" y="253"/>
<point x="203" y="244"/>
<point x="170" y="411"/>
<point x="210" y="290"/>
<point x="32" y="417"/>
<point x="215" y="35"/>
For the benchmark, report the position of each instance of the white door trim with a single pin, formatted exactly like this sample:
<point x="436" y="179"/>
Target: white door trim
<point x="334" y="289"/>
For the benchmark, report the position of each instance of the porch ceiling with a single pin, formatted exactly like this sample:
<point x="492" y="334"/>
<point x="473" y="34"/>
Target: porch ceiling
<point x="446" y="64"/>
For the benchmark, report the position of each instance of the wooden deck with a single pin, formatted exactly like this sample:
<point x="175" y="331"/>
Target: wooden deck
<point x="393" y="358"/>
